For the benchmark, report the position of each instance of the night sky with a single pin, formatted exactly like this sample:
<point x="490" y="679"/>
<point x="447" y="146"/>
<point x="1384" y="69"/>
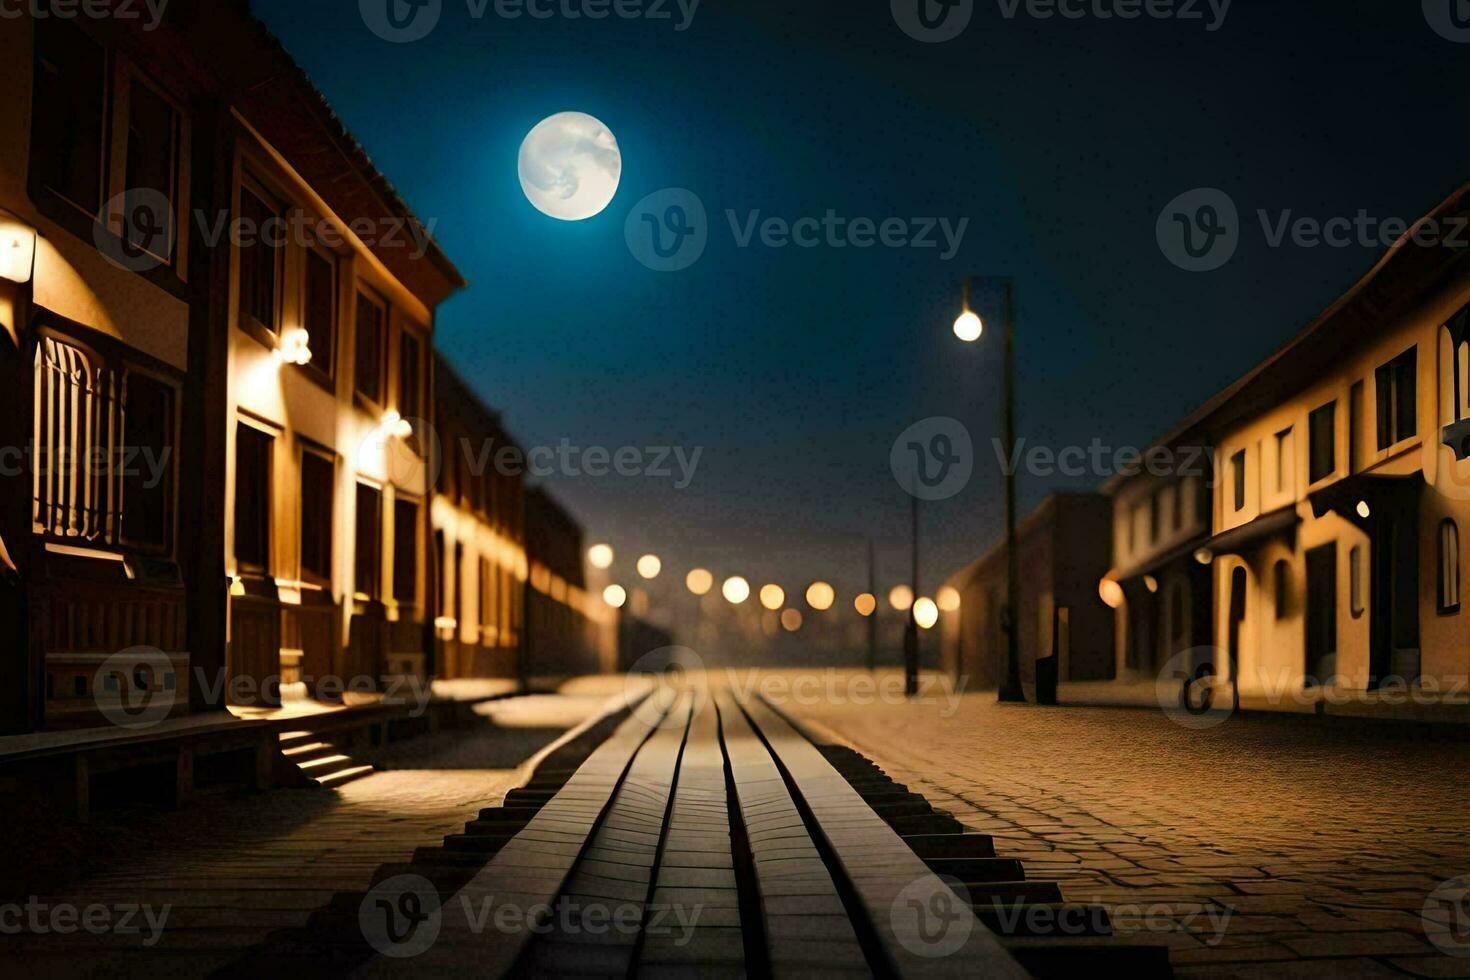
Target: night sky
<point x="796" y="369"/>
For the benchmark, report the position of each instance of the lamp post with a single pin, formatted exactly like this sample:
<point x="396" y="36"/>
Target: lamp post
<point x="968" y="328"/>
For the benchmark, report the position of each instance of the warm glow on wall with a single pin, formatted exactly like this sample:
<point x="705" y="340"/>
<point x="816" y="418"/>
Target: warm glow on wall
<point x="820" y="596"/>
<point x="926" y="613"/>
<point x="865" y="604"/>
<point x="700" y="581"/>
<point x="901" y="598"/>
<point x="773" y="597"/>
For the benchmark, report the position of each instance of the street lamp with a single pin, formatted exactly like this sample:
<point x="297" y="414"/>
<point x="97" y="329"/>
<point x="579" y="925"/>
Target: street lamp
<point x="736" y="590"/>
<point x="969" y="328"/>
<point x="600" y="555"/>
<point x="649" y="566"/>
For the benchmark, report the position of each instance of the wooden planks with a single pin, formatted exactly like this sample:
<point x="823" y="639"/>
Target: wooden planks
<point x="885" y="875"/>
<point x="804" y="920"/>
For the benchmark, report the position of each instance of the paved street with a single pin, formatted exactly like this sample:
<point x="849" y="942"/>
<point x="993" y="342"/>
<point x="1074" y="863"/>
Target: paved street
<point x="232" y="870"/>
<point x="1270" y="846"/>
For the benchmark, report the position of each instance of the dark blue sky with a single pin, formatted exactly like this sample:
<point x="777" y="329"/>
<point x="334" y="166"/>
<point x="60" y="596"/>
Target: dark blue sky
<point x="795" y="369"/>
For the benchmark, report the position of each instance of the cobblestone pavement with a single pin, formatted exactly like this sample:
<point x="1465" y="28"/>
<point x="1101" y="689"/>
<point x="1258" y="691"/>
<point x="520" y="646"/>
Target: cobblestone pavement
<point x="232" y="870"/>
<point x="1269" y="846"/>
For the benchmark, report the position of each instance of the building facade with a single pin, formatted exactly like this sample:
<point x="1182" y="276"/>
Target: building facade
<point x="1344" y="485"/>
<point x="1063" y="554"/>
<point x="245" y="476"/>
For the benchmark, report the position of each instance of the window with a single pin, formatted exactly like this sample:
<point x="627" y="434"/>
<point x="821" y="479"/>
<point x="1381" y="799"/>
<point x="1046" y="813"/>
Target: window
<point x="319" y="310"/>
<point x="369" y="540"/>
<point x="370" y="329"/>
<point x="1397" y="400"/>
<point x="318" y="492"/>
<point x="1283" y="461"/>
<point x="411" y="377"/>
<point x="489" y="621"/>
<point x="152" y="167"/>
<point x="1322" y="436"/>
<point x="1449" y="567"/>
<point x="1282" y="582"/>
<point x="260" y="259"/>
<point x="1155" y="510"/>
<point x="405" y="551"/>
<point x="105" y="447"/>
<point x="1237" y="472"/>
<point x="252" y="497"/>
<point x="74" y="433"/>
<point x="147" y="477"/>
<point x="69" y="113"/>
<point x="1355" y="580"/>
<point x="441" y="592"/>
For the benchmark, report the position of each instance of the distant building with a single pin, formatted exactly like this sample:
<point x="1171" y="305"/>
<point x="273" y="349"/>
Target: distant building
<point x="1064" y="553"/>
<point x="1161" y="592"/>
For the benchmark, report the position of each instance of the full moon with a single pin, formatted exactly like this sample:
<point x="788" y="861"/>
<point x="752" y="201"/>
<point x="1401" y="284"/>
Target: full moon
<point x="570" y="166"/>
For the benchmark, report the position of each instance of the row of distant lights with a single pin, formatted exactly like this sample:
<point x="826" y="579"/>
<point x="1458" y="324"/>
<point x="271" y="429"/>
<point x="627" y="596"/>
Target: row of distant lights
<point x="820" y="596"/>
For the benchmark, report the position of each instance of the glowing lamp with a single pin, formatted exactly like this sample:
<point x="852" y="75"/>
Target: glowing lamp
<point x="649" y="566"/>
<point x="1111" y="593"/>
<point x="600" y="555"/>
<point x="17" y="250"/>
<point x="901" y="598"/>
<point x="926" y="613"/>
<point x="736" y="590"/>
<point x="820" y="596"/>
<point x="615" y="596"/>
<point x="773" y="597"/>
<point x="865" y="604"/>
<point x="948" y="599"/>
<point x="791" y="620"/>
<point x="700" y="581"/>
<point x="968" y="327"/>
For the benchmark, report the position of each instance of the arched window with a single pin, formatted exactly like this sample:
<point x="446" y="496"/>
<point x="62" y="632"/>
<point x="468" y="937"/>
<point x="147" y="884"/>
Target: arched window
<point x="1282" y="583"/>
<point x="1449" y="567"/>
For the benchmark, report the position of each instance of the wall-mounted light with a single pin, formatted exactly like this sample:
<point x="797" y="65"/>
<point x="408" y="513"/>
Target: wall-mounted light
<point x="396" y="425"/>
<point x="17" y="249"/>
<point x="1364" y="511"/>
<point x="295" y="347"/>
<point x="1204" y="556"/>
